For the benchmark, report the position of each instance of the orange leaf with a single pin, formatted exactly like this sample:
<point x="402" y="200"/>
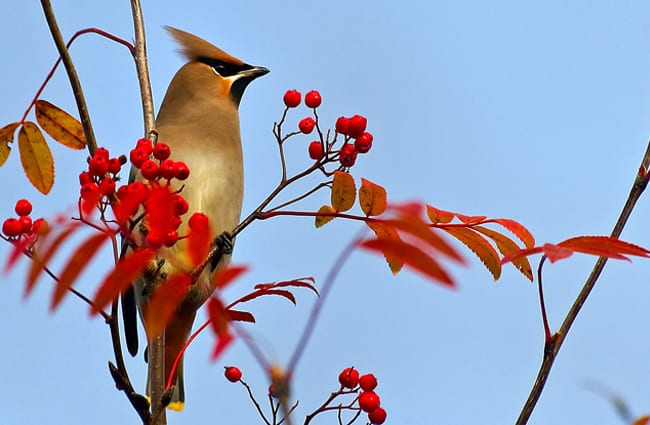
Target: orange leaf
<point x="516" y="229"/>
<point x="471" y="219"/>
<point x="372" y="198"/>
<point x="322" y="220"/>
<point x="415" y="227"/>
<point x="36" y="157"/>
<point x="61" y="126"/>
<point x="384" y="231"/>
<point x="43" y="254"/>
<point x="439" y="216"/>
<point x="412" y="256"/>
<point x="479" y="246"/>
<point x="121" y="277"/>
<point x="164" y="302"/>
<point x="643" y="420"/>
<point x="604" y="246"/>
<point x="223" y="277"/>
<point x="76" y="264"/>
<point x="521" y="253"/>
<point x="6" y="136"/>
<point x="344" y="191"/>
<point x="506" y="247"/>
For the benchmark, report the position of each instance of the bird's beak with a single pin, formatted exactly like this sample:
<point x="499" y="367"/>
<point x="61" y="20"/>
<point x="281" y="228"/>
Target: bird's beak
<point x="254" y="72"/>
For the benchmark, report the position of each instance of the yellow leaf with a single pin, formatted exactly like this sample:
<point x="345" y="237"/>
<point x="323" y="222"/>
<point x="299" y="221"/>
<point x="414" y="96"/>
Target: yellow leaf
<point x="323" y="220"/>
<point x="36" y="157"/>
<point x="6" y="136"/>
<point x="385" y="231"/>
<point x="344" y="192"/>
<point x="372" y="198"/>
<point x="61" y="126"/>
<point x="479" y="246"/>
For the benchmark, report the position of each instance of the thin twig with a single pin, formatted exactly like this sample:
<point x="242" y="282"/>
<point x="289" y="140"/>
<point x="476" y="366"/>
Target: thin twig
<point x="552" y="349"/>
<point x="142" y="68"/>
<point x="77" y="91"/>
<point x="542" y="304"/>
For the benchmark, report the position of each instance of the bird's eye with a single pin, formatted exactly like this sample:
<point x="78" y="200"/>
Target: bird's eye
<point x="224" y="69"/>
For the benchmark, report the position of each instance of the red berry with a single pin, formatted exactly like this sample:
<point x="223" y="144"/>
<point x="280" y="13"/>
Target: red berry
<point x="181" y="171"/>
<point x="161" y="151"/>
<point x="232" y="373"/>
<point x="114" y="165"/>
<point x="198" y="221"/>
<point x="175" y="222"/>
<point x="85" y="177"/>
<point x="149" y="170"/>
<point x="357" y="126"/>
<point x="180" y="204"/>
<point x="377" y="416"/>
<point x="368" y="401"/>
<point x="343" y="125"/>
<point x="363" y="143"/>
<point x="11" y="227"/>
<point x="138" y="190"/>
<point x="98" y="166"/>
<point x="315" y="150"/>
<point x="313" y="99"/>
<point x="306" y="125"/>
<point x="40" y="226"/>
<point x="349" y="377"/>
<point x="138" y="156"/>
<point x="167" y="169"/>
<point x="368" y="382"/>
<point x="107" y="186"/>
<point x="155" y="239"/>
<point x="23" y="207"/>
<point x="101" y="152"/>
<point x="292" y="98"/>
<point x="25" y="223"/>
<point x="348" y="155"/>
<point x="89" y="191"/>
<point x="144" y="144"/>
<point x="272" y="392"/>
<point x="171" y="239"/>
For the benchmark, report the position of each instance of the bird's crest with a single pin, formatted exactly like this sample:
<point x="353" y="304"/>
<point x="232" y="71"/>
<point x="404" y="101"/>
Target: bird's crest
<point x="195" y="48"/>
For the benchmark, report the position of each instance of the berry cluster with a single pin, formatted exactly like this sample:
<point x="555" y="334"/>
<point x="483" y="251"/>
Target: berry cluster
<point x="368" y="399"/>
<point x="14" y="228"/>
<point x="160" y="167"/>
<point x="98" y="181"/>
<point x="356" y="139"/>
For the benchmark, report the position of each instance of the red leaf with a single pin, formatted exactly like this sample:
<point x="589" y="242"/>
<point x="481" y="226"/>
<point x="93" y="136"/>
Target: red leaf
<point x="411" y="256"/>
<point x="517" y="229"/>
<point x="75" y="265"/>
<point x="219" y="319"/>
<point x="160" y="209"/>
<point x="604" y="246"/>
<point x="223" y="277"/>
<point x="197" y="245"/>
<point x="43" y="254"/>
<point x="164" y="302"/>
<point x="555" y="252"/>
<point x="121" y="277"/>
<point x="521" y="253"/>
<point x="240" y="316"/>
<point x="302" y="282"/>
<point x="385" y="231"/>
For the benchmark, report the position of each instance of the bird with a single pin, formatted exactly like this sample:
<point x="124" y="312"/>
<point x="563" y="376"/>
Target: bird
<point x="199" y="120"/>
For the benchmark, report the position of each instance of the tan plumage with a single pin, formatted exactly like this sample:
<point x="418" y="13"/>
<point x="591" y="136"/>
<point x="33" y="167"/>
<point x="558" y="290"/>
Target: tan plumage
<point x="199" y="120"/>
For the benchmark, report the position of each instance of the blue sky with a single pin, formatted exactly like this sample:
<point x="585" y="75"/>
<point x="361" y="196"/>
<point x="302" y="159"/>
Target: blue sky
<point x="536" y="111"/>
